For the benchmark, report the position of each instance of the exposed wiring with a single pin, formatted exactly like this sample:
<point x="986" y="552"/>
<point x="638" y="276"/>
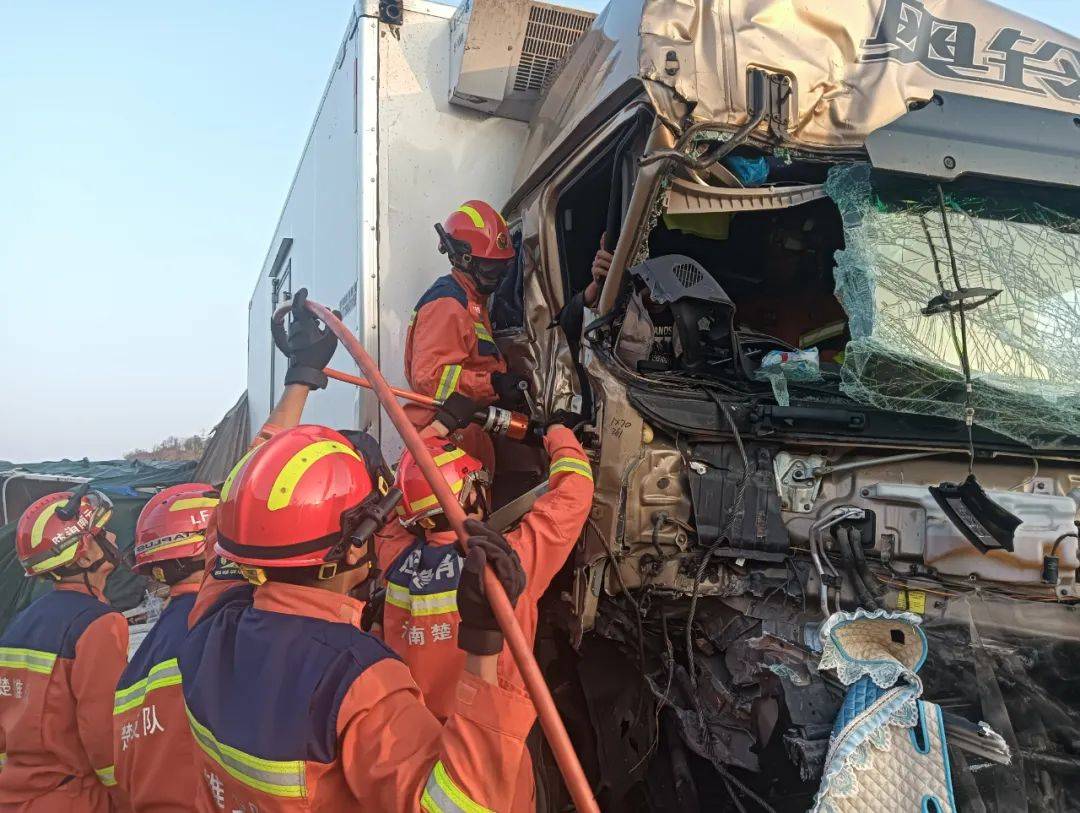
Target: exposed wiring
<point x="1062" y="538"/>
<point x="1021" y="486"/>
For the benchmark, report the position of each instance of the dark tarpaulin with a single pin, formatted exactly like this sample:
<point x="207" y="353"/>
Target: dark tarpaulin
<point x="227" y="444"/>
<point x="129" y="484"/>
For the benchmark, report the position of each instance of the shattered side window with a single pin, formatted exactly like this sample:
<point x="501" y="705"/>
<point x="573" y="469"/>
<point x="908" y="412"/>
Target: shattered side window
<point x="1017" y="258"/>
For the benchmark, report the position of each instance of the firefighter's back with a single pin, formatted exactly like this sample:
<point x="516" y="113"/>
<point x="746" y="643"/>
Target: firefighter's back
<point x="263" y="690"/>
<point x="45" y="761"/>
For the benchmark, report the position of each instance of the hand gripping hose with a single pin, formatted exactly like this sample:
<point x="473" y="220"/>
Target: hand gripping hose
<point x="554" y="730"/>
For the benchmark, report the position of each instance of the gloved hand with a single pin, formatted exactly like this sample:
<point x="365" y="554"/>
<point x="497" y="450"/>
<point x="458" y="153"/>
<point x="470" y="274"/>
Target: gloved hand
<point x="479" y="633"/>
<point x="456" y="412"/>
<point x="508" y="386"/>
<point x="372" y="613"/>
<point x="308" y="345"/>
<point x="562" y="417"/>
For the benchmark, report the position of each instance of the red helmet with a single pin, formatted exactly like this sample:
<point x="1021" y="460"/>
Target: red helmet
<point x="173" y="525"/>
<point x="283" y="503"/>
<point x="56" y="529"/>
<point x="480" y="226"/>
<point x="462" y="472"/>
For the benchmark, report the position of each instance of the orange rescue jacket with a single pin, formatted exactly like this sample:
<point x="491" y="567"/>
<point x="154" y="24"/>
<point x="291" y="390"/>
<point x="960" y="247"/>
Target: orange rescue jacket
<point x="60" y="659"/>
<point x="420" y="619"/>
<point x="449" y="348"/>
<point x="292" y="706"/>
<point x="155" y="753"/>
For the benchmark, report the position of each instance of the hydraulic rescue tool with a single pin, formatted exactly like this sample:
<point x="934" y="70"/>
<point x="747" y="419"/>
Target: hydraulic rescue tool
<point x="558" y="739"/>
<point x="491" y="419"/>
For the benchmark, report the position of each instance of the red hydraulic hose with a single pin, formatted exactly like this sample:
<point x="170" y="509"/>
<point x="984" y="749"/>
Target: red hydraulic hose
<point x="554" y="730"/>
<point x="408" y="395"/>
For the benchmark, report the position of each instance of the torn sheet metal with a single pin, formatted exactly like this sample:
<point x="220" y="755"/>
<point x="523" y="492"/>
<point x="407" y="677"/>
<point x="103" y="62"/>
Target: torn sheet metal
<point x="854" y="65"/>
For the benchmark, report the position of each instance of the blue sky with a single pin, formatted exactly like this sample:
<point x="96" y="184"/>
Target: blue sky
<point x="145" y="153"/>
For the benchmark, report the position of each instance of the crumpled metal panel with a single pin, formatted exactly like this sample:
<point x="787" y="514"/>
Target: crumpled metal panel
<point x="855" y="64"/>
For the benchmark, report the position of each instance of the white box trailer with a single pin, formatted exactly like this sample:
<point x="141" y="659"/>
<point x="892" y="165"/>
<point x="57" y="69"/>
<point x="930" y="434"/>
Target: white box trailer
<point x="387" y="157"/>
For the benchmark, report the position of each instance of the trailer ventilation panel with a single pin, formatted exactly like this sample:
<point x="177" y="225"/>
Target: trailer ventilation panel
<point x="505" y="53"/>
<point x="549" y="36"/>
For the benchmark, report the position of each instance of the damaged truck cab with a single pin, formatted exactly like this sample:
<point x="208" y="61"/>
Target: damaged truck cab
<point x="835" y="365"/>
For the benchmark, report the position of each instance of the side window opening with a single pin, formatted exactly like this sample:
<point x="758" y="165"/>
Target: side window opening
<point x="594" y="203"/>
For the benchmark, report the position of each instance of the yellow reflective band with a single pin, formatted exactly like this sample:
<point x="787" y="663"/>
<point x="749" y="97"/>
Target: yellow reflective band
<point x="3" y="761"/>
<point x="227" y="487"/>
<point x="572" y="465"/>
<point x="473" y="215"/>
<point x="61" y="558"/>
<point x="442" y="795"/>
<point x="449" y="457"/>
<point x="431" y="500"/>
<point x="412" y="318"/>
<point x="38" y="531"/>
<point x="107" y="776"/>
<point x="33" y="660"/>
<point x="448" y="381"/>
<point x="298" y="466"/>
<point x="190" y="539"/>
<point x="194" y="502"/>
<point x="416" y="605"/>
<point x="482" y="332"/>
<point x="166" y="673"/>
<point x="284" y="779"/>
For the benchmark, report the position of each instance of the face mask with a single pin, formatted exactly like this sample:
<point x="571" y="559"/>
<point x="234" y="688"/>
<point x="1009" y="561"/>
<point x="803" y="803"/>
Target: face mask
<point x="488" y="274"/>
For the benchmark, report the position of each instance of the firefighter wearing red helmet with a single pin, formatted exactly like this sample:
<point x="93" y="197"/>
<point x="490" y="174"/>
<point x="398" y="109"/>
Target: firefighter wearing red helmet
<point x="420" y="612"/>
<point x="59" y="662"/>
<point x="449" y="347"/>
<point x="292" y="704"/>
<point x="155" y="752"/>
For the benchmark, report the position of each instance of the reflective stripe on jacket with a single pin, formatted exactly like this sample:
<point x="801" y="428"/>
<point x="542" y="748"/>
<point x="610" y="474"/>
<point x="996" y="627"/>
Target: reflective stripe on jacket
<point x="60" y="659"/>
<point x="291" y="703"/>
<point x="449" y="348"/>
<point x="155" y="754"/>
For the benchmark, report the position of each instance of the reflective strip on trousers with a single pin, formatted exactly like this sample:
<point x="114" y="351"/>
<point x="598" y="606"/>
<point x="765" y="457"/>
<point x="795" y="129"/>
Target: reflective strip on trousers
<point x="441" y="795"/>
<point x="434" y="604"/>
<point x="107" y="776"/>
<point x="573" y="465"/>
<point x="3" y="761"/>
<point x="448" y="381"/>
<point x="166" y="673"/>
<point x="285" y="779"/>
<point x="31" y="659"/>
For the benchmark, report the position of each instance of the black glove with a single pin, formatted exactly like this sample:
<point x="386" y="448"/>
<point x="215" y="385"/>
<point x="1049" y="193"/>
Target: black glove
<point x="456" y="412"/>
<point x="563" y="417"/>
<point x="479" y="633"/>
<point x="372" y="613"/>
<point x="510" y="387"/>
<point x="308" y="346"/>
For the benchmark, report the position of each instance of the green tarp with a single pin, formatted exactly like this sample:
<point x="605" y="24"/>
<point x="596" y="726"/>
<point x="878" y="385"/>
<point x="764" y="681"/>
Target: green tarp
<point x="128" y="484"/>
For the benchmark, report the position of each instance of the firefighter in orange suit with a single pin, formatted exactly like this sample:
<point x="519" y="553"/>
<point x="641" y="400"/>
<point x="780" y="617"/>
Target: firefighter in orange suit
<point x="155" y="752"/>
<point x="420" y="618"/>
<point x="449" y="347"/>
<point x="290" y="703"/>
<point x="59" y="662"/>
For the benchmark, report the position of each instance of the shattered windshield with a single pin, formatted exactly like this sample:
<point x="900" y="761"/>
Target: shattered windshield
<point x="1008" y="287"/>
